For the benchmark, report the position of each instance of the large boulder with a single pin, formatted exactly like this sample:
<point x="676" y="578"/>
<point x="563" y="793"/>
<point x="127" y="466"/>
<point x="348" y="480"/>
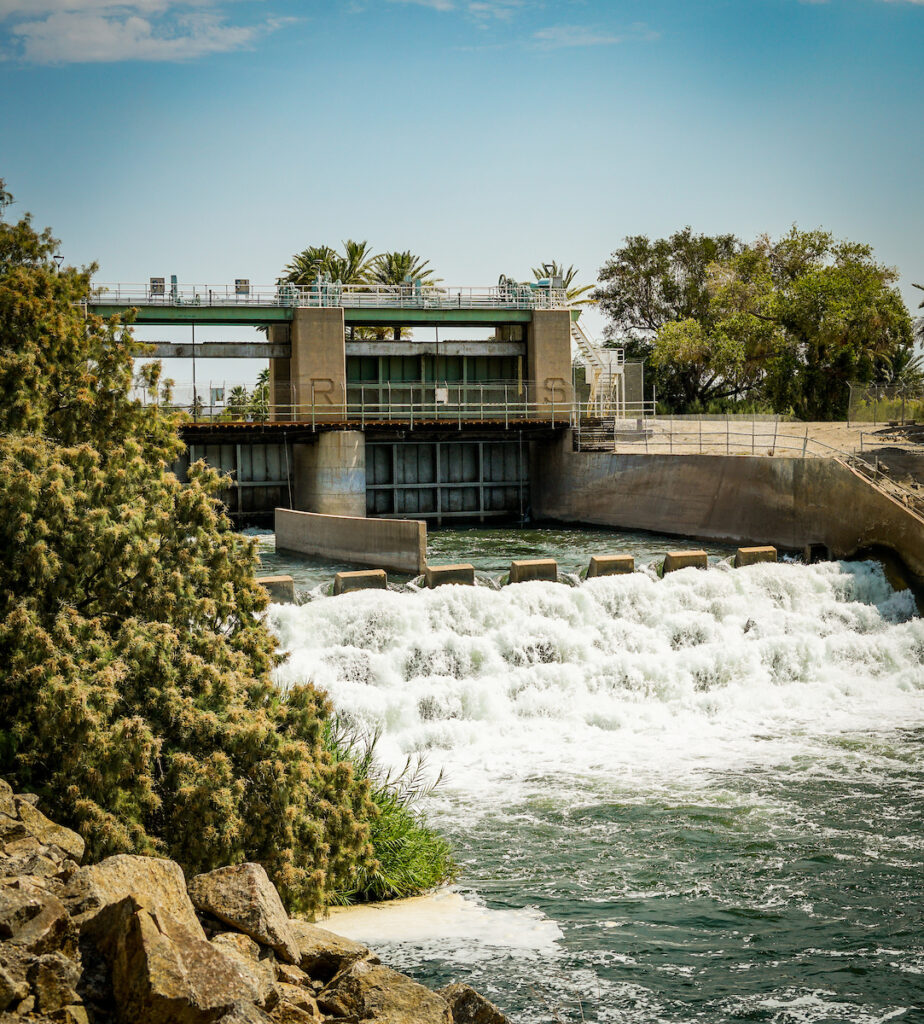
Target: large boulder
<point x="47" y="832"/>
<point x="242" y="896"/>
<point x="366" y="990"/>
<point x="160" y="883"/>
<point x="163" y="973"/>
<point x="247" y="954"/>
<point x="322" y="953"/>
<point x="36" y="922"/>
<point x="470" y="1007"/>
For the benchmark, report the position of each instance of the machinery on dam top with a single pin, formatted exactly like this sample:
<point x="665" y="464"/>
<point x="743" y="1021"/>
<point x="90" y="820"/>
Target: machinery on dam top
<point x="337" y="356"/>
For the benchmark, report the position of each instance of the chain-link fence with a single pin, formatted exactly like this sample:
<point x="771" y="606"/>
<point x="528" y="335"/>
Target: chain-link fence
<point x="886" y="403"/>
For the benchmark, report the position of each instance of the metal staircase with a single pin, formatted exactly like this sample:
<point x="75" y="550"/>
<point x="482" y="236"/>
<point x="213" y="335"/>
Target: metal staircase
<point x="605" y="375"/>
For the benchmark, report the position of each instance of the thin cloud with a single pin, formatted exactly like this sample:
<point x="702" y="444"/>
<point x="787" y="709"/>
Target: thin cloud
<point x="103" y="31"/>
<point x="436" y="5"/>
<point x="557" y="36"/>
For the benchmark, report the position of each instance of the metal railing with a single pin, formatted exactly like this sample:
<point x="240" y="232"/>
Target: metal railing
<point x="407" y="404"/>
<point x="886" y="403"/>
<point x="324" y="294"/>
<point x="735" y="436"/>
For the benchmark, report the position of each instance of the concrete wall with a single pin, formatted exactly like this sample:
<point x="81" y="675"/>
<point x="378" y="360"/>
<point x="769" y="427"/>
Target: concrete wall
<point x="280" y="378"/>
<point x="396" y="544"/>
<point x="318" y="363"/>
<point x="742" y="499"/>
<point x="330" y="474"/>
<point x="548" y="358"/>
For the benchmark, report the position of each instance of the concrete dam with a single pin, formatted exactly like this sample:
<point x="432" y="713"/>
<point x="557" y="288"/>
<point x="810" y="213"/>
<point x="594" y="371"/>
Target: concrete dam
<point x="363" y="421"/>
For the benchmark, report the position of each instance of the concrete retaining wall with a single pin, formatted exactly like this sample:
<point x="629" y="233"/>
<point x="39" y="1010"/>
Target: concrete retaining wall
<point x="741" y="499"/>
<point x="396" y="544"/>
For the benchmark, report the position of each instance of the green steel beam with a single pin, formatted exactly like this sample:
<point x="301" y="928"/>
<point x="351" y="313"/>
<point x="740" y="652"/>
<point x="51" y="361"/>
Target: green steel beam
<point x="257" y="316"/>
<point x="248" y="316"/>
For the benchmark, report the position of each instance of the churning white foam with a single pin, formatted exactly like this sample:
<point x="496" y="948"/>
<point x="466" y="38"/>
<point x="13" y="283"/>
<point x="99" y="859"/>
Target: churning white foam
<point x="618" y="682"/>
<point x="474" y="931"/>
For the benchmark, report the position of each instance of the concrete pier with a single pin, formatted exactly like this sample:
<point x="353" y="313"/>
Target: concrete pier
<point x="675" y="560"/>
<point x="524" y="570"/>
<point x="441" y="575"/>
<point x="281" y="589"/>
<point x="751" y="556"/>
<point x="330" y="474"/>
<point x="610" y="565"/>
<point x="396" y="544"/>
<point x="364" y="579"/>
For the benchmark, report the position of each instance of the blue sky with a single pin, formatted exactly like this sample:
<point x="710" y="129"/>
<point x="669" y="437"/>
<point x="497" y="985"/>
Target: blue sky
<point x="214" y="138"/>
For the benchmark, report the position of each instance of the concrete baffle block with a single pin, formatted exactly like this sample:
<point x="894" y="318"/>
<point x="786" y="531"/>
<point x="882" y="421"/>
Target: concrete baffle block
<point x="526" y="569"/>
<point x="751" y="556"/>
<point x="675" y="560"/>
<point x="610" y="565"/>
<point x="440" y="575"/>
<point x="281" y="589"/>
<point x="364" y="579"/>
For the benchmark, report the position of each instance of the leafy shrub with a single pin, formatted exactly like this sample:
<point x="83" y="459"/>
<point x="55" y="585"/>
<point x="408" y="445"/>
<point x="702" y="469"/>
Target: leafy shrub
<point x="410" y="856"/>
<point x="136" y="697"/>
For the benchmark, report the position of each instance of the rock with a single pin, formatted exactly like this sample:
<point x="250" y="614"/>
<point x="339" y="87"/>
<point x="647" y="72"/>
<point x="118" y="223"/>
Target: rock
<point x="470" y="1007"/>
<point x="288" y="1013"/>
<point x="366" y="990"/>
<point x="322" y="953"/>
<point x="11" y="828"/>
<point x="159" y="882"/>
<point x="242" y="896"/>
<point x="290" y="974"/>
<point x="7" y="801"/>
<point x="163" y="973"/>
<point x="299" y="997"/>
<point x="47" y="832"/>
<point x="16" y="910"/>
<point x="245" y="1013"/>
<point x="72" y="1015"/>
<point x="26" y="1006"/>
<point x="48" y="931"/>
<point x="246" y="953"/>
<point x="11" y="990"/>
<point x="53" y="979"/>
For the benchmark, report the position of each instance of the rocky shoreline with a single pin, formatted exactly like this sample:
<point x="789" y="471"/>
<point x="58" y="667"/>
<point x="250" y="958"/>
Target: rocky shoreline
<point x="127" y="940"/>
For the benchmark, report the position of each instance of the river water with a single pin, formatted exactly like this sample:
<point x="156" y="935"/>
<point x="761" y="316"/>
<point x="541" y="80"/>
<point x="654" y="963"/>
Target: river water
<point x="690" y="799"/>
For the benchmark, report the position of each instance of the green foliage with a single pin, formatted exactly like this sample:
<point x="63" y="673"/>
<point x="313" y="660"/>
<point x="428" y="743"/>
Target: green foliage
<point x="137" y="697"/>
<point x="410" y="856"/>
<point x="646" y="285"/>
<point x="352" y="266"/>
<point x="790" y="322"/>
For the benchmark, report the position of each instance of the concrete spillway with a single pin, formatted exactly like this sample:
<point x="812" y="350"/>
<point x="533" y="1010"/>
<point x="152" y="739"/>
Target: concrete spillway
<point x="786" y="502"/>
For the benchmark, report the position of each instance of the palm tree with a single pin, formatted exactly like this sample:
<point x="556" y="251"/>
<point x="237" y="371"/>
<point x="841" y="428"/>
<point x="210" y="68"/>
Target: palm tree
<point x="258" y="406"/>
<point x="352" y="266"/>
<point x="307" y="265"/>
<point x="573" y="294"/>
<point x="398" y="268"/>
<point x="238" y="400"/>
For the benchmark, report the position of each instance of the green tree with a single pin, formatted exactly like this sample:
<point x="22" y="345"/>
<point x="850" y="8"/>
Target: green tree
<point x="137" y="699"/>
<point x="645" y="285"/>
<point x="352" y="266"/>
<point x="238" y="403"/>
<point x="259" y="397"/>
<point x="829" y="314"/>
<point x="402" y="268"/>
